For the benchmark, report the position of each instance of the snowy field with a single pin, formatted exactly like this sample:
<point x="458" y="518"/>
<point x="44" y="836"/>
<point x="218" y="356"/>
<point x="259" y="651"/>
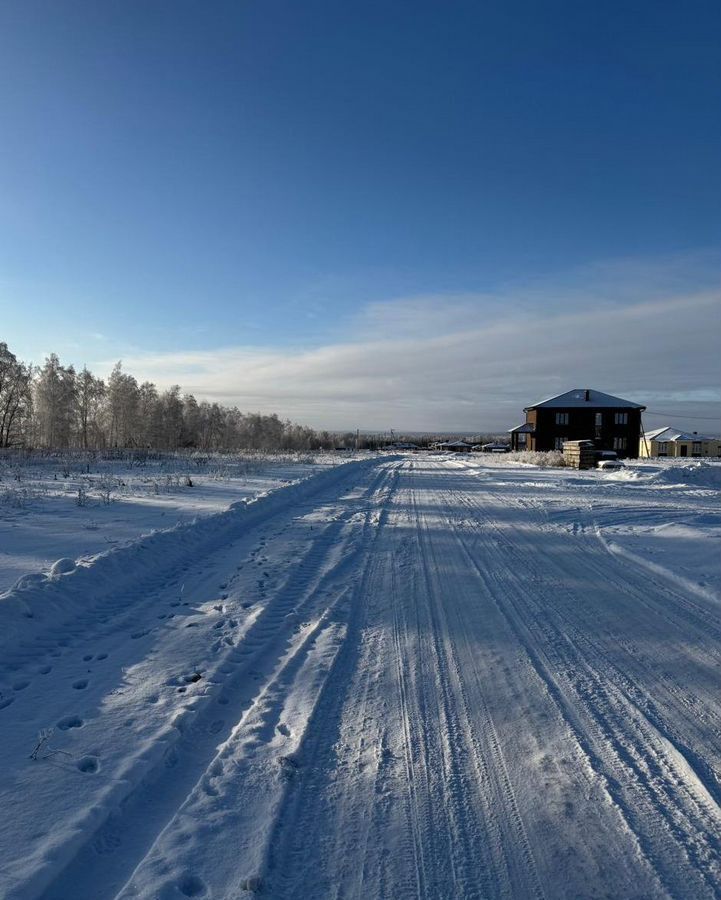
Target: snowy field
<point x="400" y="677"/>
<point x="80" y="504"/>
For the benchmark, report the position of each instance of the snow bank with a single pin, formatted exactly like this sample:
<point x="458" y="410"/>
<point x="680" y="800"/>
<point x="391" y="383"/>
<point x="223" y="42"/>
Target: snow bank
<point x="697" y="475"/>
<point x="37" y="603"/>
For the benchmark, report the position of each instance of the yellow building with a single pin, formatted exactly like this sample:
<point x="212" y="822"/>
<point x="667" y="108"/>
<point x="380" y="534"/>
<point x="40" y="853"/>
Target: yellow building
<point x="668" y="441"/>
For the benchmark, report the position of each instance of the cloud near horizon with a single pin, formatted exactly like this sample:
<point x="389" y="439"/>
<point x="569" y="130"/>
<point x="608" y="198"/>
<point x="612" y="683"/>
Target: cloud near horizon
<point x="470" y="363"/>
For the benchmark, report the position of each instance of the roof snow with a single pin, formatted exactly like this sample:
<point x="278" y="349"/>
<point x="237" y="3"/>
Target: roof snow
<point x="586" y="397"/>
<point x="669" y="435"/>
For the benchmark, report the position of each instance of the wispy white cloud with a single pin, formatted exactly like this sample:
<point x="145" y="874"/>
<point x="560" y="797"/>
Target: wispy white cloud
<point x="470" y="362"/>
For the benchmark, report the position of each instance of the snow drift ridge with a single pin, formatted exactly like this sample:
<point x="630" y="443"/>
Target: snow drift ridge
<point x="38" y="602"/>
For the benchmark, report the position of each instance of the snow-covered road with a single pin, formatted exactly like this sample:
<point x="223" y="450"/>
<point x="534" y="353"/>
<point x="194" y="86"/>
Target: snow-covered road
<point x="415" y="678"/>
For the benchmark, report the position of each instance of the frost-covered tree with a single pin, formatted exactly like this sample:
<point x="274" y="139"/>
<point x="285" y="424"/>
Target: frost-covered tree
<point x="89" y="395"/>
<point x="172" y="406"/>
<point x="150" y="416"/>
<point x="212" y="426"/>
<point x="191" y="421"/>
<point x="55" y="404"/>
<point x="55" y="407"/>
<point x="121" y="411"/>
<point x="15" y="397"/>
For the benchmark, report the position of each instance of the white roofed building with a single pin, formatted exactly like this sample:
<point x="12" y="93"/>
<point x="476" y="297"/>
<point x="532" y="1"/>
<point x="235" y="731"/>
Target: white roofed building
<point x="672" y="442"/>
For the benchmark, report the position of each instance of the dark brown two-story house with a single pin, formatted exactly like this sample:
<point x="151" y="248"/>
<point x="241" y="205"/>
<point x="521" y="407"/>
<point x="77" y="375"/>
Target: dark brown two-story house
<point x="581" y="415"/>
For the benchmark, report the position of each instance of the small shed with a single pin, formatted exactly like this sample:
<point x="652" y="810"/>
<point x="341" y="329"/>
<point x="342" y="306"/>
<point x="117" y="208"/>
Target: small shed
<point x="580" y="454"/>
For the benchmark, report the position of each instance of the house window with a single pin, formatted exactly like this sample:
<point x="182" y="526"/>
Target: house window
<point x="561" y="418"/>
<point x="521" y="440"/>
<point x="696" y="449"/>
<point x="619" y="443"/>
<point x="663" y="448"/>
<point x="560" y="441"/>
<point x="620" y="418"/>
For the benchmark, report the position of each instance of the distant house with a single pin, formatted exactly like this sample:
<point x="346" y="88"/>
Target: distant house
<point x="400" y="445"/>
<point x="493" y="447"/>
<point x="582" y="414"/>
<point x="453" y="446"/>
<point x="668" y="441"/>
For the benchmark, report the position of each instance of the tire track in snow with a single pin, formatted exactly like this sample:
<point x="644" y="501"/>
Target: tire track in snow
<point x="689" y="819"/>
<point x="292" y="864"/>
<point x="190" y="744"/>
<point x="509" y="869"/>
<point x="630" y="670"/>
<point x="253" y="736"/>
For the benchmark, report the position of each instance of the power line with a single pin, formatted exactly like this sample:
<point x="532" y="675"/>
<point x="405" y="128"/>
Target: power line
<point x="681" y="415"/>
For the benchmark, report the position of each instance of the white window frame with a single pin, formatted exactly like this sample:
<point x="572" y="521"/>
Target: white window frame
<point x="561" y="418"/>
<point x="620" y="418"/>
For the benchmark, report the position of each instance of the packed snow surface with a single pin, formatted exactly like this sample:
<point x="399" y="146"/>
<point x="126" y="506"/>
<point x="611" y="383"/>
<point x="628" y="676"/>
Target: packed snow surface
<point x="402" y="677"/>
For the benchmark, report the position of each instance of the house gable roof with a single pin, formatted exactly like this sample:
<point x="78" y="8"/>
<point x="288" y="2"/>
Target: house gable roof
<point x="669" y="435"/>
<point x="585" y="397"/>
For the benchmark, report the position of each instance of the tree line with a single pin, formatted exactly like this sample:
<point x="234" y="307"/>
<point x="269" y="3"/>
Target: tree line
<point x="54" y="406"/>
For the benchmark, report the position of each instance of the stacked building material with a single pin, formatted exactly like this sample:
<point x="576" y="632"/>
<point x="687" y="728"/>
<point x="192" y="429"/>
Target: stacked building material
<point x="580" y="454"/>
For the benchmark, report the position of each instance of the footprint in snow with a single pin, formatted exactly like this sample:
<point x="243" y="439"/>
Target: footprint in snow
<point x="191" y="886"/>
<point x="102" y="656"/>
<point x="89" y="765"/>
<point x="45" y="670"/>
<point x="288" y="766"/>
<point x="70" y="722"/>
<point x="106" y="842"/>
<point x="20" y="685"/>
<point x="80" y="684"/>
<point x="170" y="759"/>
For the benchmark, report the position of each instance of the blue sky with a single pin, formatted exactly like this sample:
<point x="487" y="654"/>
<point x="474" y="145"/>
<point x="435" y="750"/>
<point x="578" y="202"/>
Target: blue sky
<point x="305" y="207"/>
